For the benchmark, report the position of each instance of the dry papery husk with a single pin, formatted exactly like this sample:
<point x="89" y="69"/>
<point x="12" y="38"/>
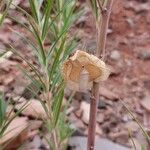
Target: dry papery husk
<point x="82" y="69"/>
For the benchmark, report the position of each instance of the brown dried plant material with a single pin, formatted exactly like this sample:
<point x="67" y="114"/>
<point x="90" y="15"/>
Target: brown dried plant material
<point x="82" y="69"/>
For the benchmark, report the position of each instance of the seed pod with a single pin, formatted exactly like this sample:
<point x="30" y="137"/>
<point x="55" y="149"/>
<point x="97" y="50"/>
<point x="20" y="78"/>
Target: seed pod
<point x="80" y="78"/>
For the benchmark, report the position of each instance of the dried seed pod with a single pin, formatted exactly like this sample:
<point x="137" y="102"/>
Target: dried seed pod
<point x="82" y="69"/>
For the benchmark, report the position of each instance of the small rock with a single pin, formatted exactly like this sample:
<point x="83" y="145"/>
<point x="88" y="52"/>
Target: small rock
<point x="142" y="8"/>
<point x="132" y="125"/>
<point x="78" y="113"/>
<point x="130" y="22"/>
<point x="139" y="8"/>
<point x="147" y="84"/>
<point x="44" y="145"/>
<point x="108" y="94"/>
<point x="115" y="55"/>
<point x="80" y="143"/>
<point x="33" y="109"/>
<point x="145" y="55"/>
<point x="75" y="104"/>
<point x="98" y="130"/>
<point x="80" y="96"/>
<point x="17" y="132"/>
<point x="70" y="110"/>
<point x="143" y="1"/>
<point x="68" y="92"/>
<point x="115" y="71"/>
<point x="85" y="107"/>
<point x="32" y="145"/>
<point x="102" y="104"/>
<point x="19" y="89"/>
<point x="79" y="124"/>
<point x="87" y="96"/>
<point x="73" y="118"/>
<point x="141" y="138"/>
<point x="19" y="99"/>
<point x="35" y="124"/>
<point x="8" y="80"/>
<point x="109" y="31"/>
<point x="136" y="142"/>
<point x="146" y="103"/>
<point x="126" y="118"/>
<point x="78" y="133"/>
<point x="146" y="115"/>
<point x="100" y="118"/>
<point x="91" y="46"/>
<point x="121" y="137"/>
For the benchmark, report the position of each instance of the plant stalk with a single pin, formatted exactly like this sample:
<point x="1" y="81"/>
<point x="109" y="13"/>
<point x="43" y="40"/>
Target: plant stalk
<point x="102" y="27"/>
<point x="93" y="113"/>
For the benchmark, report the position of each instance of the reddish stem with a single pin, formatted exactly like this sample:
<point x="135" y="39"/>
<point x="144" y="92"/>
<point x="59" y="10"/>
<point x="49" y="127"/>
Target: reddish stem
<point x="93" y="114"/>
<point x="101" y="43"/>
<point x="102" y="27"/>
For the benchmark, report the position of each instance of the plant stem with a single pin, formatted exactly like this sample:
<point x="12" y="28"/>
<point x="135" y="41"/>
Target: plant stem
<point x="93" y="113"/>
<point x="101" y="43"/>
<point x="102" y="27"/>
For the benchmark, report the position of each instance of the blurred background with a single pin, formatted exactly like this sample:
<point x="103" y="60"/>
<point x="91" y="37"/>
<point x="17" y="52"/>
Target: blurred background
<point x="127" y="54"/>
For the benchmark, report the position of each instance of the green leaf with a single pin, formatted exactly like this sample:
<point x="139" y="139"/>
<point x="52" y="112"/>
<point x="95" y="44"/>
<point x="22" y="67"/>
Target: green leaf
<point x="2" y="16"/>
<point x="46" y="18"/>
<point x="25" y="39"/>
<point x="64" y="128"/>
<point x="3" y="53"/>
<point x="20" y="23"/>
<point x="37" y="73"/>
<point x="35" y="10"/>
<point x="3" y="106"/>
<point x="33" y="80"/>
<point x="8" y="121"/>
<point x="57" y="105"/>
<point x="39" y="41"/>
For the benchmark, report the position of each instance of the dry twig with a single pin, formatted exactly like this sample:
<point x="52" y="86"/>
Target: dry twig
<point x="102" y="27"/>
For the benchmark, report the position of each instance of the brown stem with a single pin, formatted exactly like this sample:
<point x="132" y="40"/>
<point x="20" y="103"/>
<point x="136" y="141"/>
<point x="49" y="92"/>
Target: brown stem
<point x="102" y="29"/>
<point x="101" y="42"/>
<point x="93" y="113"/>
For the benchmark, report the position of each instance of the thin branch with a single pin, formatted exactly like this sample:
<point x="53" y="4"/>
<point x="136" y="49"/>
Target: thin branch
<point x="102" y="27"/>
<point x="101" y="42"/>
<point x="93" y="114"/>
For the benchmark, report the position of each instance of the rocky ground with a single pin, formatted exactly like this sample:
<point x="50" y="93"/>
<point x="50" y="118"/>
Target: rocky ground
<point x="128" y="54"/>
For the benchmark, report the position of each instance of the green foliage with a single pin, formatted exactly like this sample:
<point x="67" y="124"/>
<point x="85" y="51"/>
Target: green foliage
<point x="4" y="13"/>
<point x="3" y="107"/>
<point x="7" y="118"/>
<point x="49" y="22"/>
<point x="64" y="129"/>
